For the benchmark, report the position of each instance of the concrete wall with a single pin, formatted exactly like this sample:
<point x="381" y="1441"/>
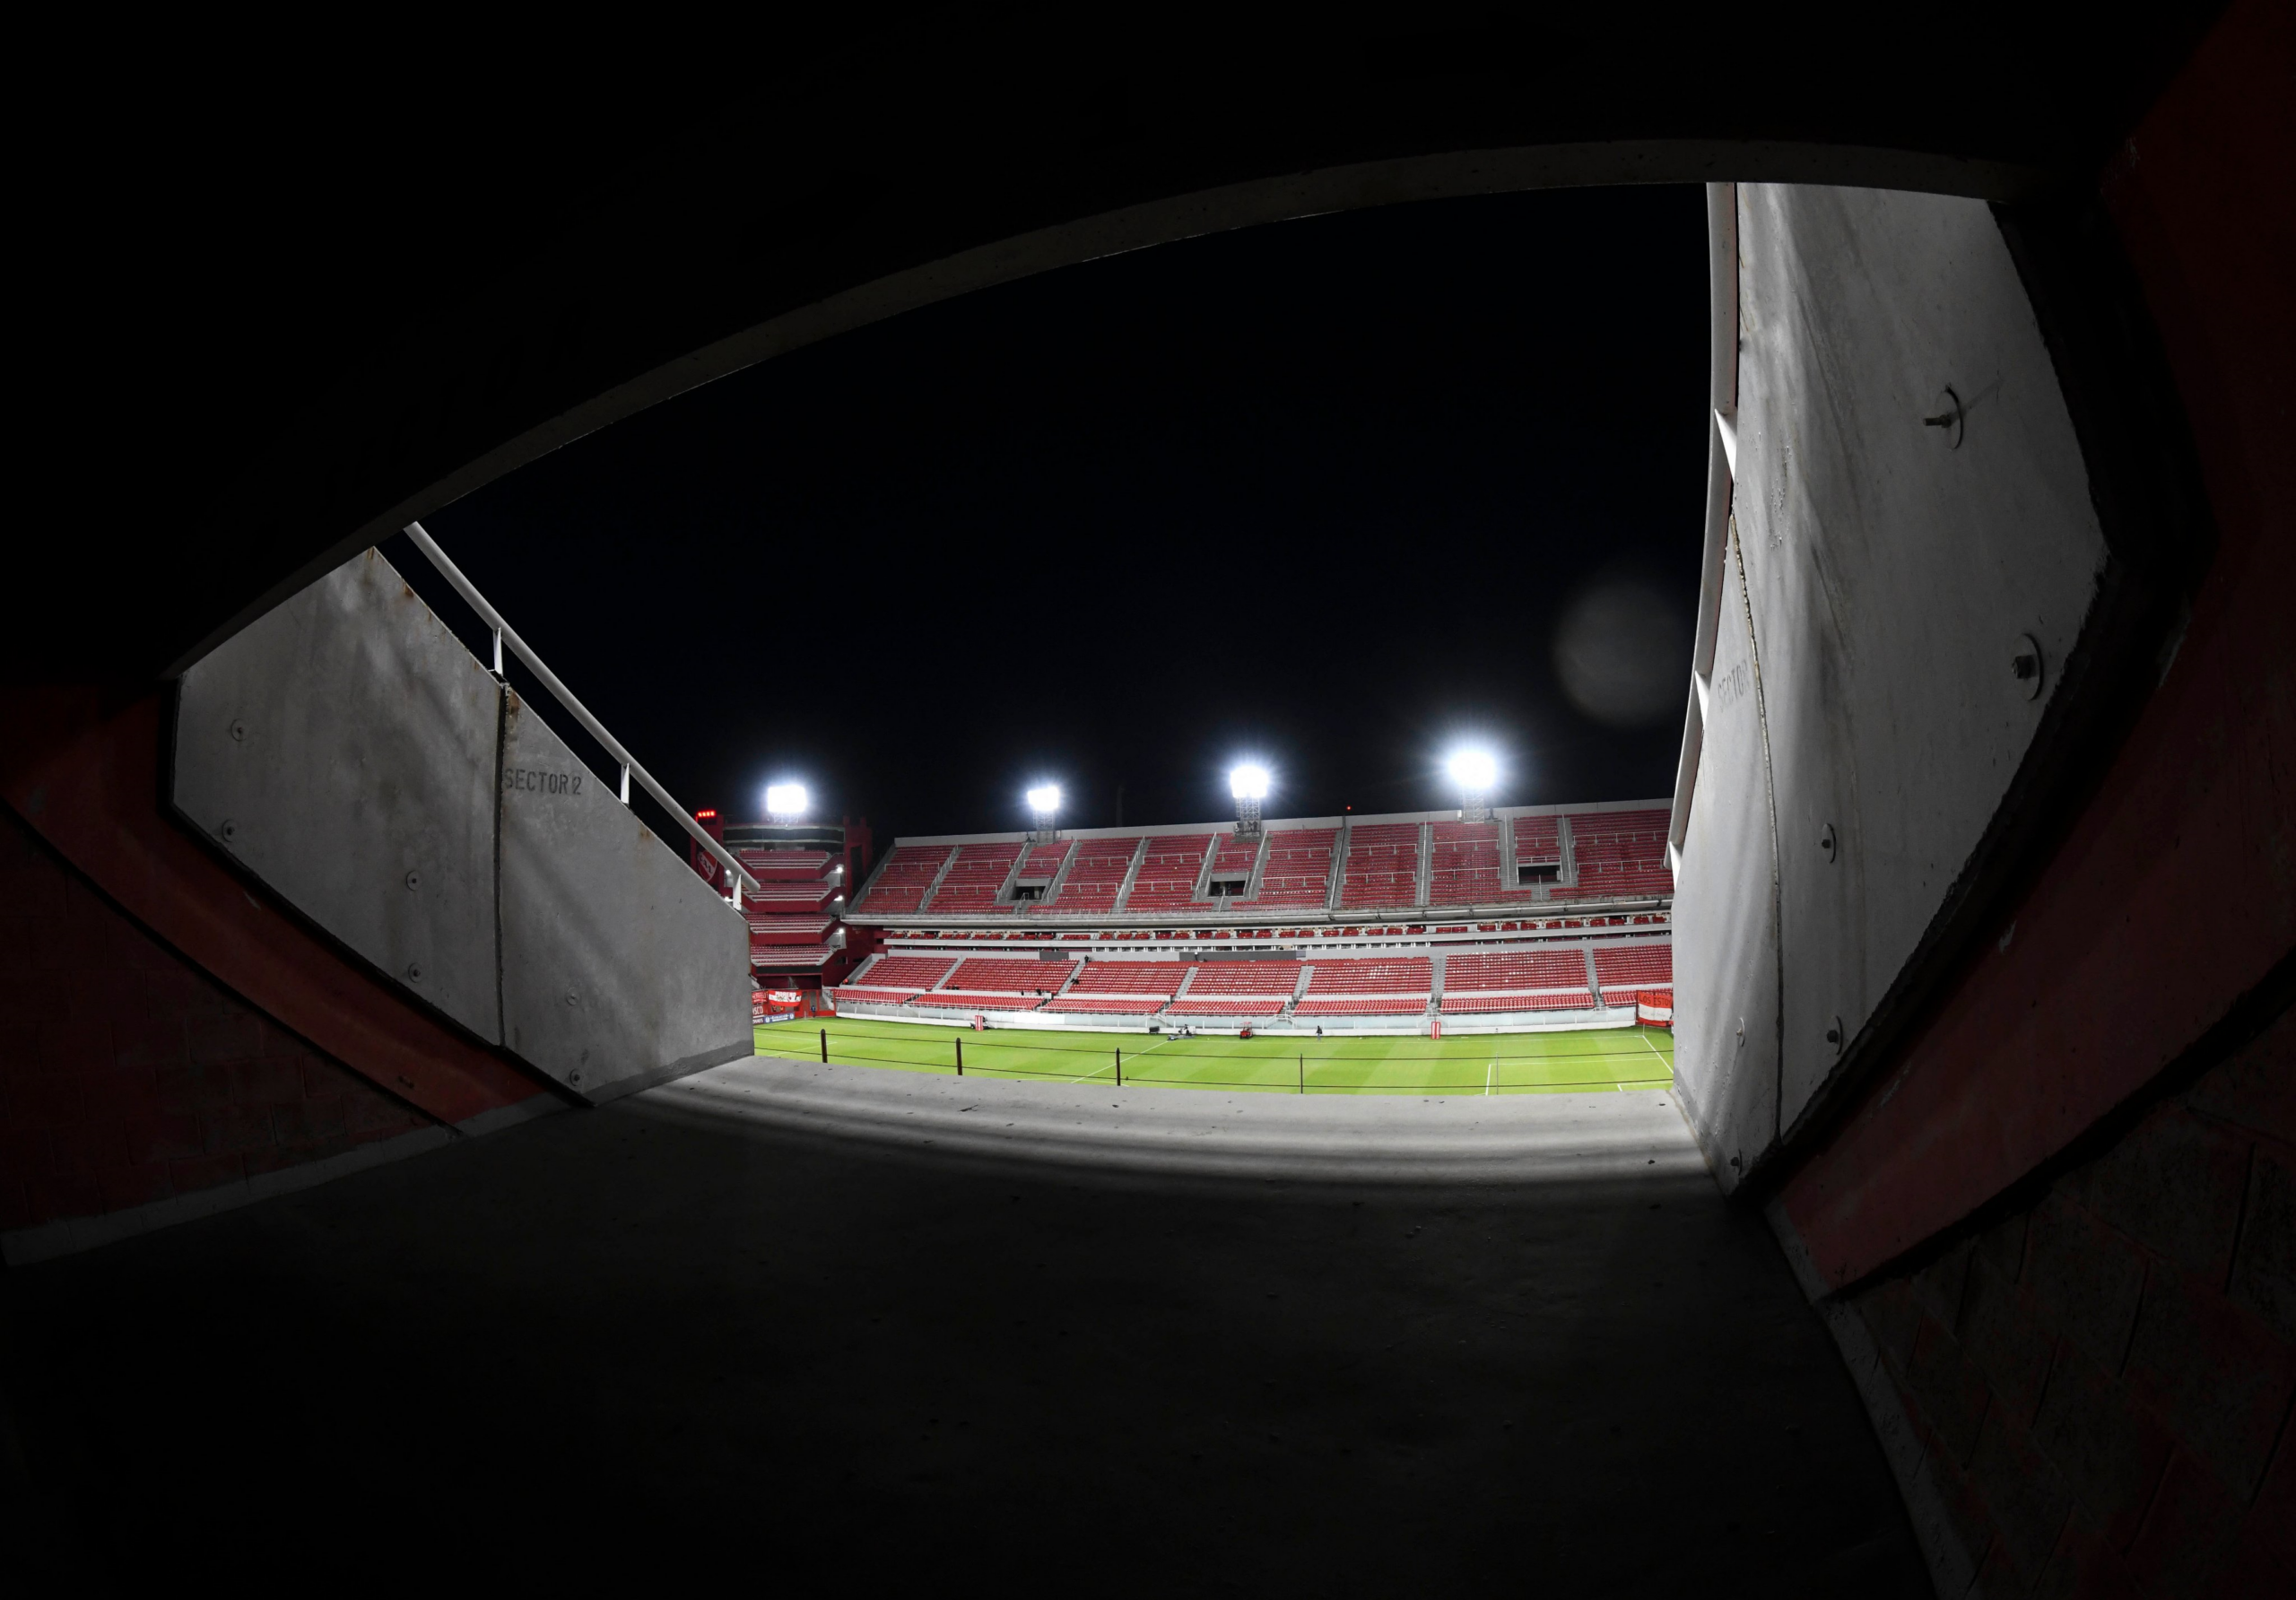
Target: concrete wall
<point x="2053" y="1235"/>
<point x="346" y="750"/>
<point x="1862" y="720"/>
<point x="1725" y="909"/>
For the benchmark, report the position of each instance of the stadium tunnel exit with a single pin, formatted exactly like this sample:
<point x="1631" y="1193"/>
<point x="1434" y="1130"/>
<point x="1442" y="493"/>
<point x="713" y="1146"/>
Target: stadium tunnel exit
<point x="1960" y="1256"/>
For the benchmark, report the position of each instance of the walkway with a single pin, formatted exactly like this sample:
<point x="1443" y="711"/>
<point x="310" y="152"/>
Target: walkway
<point x="892" y="1329"/>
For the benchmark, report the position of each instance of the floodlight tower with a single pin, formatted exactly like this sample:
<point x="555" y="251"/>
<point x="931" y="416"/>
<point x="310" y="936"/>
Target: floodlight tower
<point x="786" y="802"/>
<point x="1249" y="784"/>
<point x="1044" y="805"/>
<point x="1476" y="774"/>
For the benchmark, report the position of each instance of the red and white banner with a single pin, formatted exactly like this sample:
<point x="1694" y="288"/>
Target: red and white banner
<point x="1654" y="1007"/>
<point x="785" y="996"/>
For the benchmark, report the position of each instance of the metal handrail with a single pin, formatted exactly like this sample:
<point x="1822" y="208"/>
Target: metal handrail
<point x="506" y="634"/>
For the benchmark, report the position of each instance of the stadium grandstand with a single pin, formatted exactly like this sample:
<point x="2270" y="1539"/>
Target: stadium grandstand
<point x="799" y="939"/>
<point x="1534" y="918"/>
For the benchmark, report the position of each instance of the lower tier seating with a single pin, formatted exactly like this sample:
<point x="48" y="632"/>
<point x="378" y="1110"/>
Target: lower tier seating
<point x="1366" y="976"/>
<point x="995" y="975"/>
<point x="1363" y="1005"/>
<point x="910" y="972"/>
<point x="864" y="995"/>
<point x="960" y="1000"/>
<point x="1642" y="966"/>
<point x="1131" y="978"/>
<point x="1228" y="1005"/>
<point x="1549" y="1000"/>
<point x="1562" y="968"/>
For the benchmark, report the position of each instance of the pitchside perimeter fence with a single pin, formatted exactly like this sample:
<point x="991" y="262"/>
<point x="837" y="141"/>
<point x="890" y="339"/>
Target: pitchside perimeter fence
<point x="1360" y="1073"/>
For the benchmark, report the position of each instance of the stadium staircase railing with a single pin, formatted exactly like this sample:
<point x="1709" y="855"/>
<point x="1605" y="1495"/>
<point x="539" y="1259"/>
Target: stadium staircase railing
<point x="504" y="634"/>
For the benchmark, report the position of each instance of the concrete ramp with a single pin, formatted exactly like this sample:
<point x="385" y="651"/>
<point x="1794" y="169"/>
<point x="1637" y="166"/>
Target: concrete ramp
<point x="346" y="750"/>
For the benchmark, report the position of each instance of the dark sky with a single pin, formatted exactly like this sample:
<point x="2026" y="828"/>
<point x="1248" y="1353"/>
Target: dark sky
<point x="1322" y="492"/>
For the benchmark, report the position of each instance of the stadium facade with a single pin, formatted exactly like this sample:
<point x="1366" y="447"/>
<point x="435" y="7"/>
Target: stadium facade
<point x="1412" y="922"/>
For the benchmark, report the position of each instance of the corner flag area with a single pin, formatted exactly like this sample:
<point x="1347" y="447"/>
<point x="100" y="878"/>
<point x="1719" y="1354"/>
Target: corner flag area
<point x="1569" y="1063"/>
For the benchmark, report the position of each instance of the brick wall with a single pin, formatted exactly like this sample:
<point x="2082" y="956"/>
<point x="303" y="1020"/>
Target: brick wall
<point x="128" y="1076"/>
<point x="2102" y="1381"/>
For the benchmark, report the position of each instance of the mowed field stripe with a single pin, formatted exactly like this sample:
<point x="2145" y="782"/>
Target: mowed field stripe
<point x="1358" y="1064"/>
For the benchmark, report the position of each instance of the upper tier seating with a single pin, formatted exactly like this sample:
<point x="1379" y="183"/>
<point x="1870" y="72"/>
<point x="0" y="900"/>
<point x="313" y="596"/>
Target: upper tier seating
<point x="1626" y="968"/>
<point x="765" y="928"/>
<point x="1382" y="865"/>
<point x="787" y="900"/>
<point x="1463" y="864"/>
<point x="1093" y="883"/>
<point x="765" y="865"/>
<point x="790" y="958"/>
<point x="1548" y="969"/>
<point x="1169" y="872"/>
<point x="1235" y="855"/>
<point x="1620" y="852"/>
<point x="1008" y="975"/>
<point x="973" y="881"/>
<point x="1044" y="860"/>
<point x="1298" y="868"/>
<point x="903" y="878"/>
<point x="1538" y="842"/>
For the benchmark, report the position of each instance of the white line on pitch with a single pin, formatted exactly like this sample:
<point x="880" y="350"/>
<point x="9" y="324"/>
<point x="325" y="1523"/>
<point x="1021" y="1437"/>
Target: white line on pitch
<point x="1654" y="1050"/>
<point x="1097" y="1070"/>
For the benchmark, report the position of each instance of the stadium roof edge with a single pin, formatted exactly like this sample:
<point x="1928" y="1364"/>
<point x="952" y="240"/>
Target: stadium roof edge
<point x="1288" y="824"/>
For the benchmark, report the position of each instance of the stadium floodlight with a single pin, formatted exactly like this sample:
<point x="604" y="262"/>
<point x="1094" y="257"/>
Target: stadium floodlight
<point x="1249" y="784"/>
<point x="1044" y="801"/>
<point x="1477" y="774"/>
<point x="786" y="801"/>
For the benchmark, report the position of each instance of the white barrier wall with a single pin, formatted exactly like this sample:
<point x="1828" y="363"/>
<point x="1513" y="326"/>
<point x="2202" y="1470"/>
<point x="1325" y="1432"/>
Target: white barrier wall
<point x="1908" y="556"/>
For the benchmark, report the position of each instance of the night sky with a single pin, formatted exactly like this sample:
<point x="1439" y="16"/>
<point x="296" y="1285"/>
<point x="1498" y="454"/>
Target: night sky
<point x="1338" y="493"/>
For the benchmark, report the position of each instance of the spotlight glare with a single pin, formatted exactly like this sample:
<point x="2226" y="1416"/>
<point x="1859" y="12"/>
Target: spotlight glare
<point x="1474" y="771"/>
<point x="1045" y="799"/>
<point x="1248" y="782"/>
<point x="784" y="799"/>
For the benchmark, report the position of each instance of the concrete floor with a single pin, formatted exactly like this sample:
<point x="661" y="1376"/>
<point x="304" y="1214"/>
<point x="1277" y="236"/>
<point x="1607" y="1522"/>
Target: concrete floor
<point x="859" y="1327"/>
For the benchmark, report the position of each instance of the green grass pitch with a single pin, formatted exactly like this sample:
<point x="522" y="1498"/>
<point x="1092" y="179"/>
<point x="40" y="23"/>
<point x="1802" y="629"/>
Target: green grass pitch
<point x="1613" y="1058"/>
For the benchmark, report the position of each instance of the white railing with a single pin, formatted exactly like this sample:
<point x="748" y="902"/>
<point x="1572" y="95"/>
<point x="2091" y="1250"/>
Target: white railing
<point x="505" y="634"/>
